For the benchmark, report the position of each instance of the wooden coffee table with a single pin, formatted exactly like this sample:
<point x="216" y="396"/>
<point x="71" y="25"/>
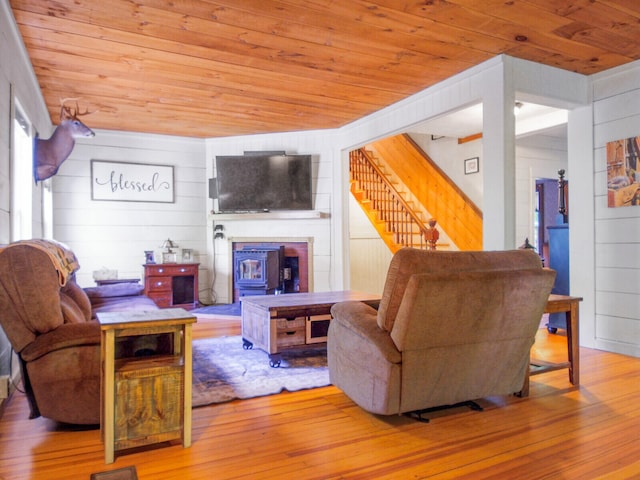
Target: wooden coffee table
<point x="278" y="322"/>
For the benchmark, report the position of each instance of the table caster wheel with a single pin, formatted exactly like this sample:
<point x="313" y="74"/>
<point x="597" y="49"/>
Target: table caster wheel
<point x="275" y="360"/>
<point x="246" y="344"/>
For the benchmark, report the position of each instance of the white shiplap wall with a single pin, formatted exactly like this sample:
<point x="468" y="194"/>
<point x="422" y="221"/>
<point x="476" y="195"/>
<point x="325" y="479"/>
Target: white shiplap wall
<point x="321" y="146"/>
<point x="115" y="234"/>
<point x="369" y="256"/>
<point x="616" y="116"/>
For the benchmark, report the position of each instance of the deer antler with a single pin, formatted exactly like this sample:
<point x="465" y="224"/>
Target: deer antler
<point x="68" y="112"/>
<point x="86" y="111"/>
<point x="65" y="112"/>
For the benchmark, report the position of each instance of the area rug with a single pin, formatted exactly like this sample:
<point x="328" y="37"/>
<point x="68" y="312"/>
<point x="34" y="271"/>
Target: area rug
<point x="234" y="309"/>
<point x="223" y="370"/>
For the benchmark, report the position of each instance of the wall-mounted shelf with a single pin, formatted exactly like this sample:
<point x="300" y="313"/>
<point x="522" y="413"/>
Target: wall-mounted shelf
<point x="275" y="215"/>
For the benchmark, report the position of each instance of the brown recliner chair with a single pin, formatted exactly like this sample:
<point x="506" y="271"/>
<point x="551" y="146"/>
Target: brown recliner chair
<point x="50" y="322"/>
<point x="451" y="327"/>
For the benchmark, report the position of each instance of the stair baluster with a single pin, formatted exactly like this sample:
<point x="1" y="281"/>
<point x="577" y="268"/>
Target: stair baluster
<point x="402" y="226"/>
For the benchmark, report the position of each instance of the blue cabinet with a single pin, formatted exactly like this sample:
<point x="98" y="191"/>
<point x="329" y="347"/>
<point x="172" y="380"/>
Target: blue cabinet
<point x="559" y="261"/>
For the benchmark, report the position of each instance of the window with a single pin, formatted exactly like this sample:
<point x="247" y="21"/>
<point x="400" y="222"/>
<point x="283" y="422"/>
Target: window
<point x="21" y="176"/>
<point x="47" y="209"/>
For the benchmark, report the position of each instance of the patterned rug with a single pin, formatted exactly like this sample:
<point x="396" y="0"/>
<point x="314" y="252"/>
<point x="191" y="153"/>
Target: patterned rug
<point x="223" y="370"/>
<point x="234" y="309"/>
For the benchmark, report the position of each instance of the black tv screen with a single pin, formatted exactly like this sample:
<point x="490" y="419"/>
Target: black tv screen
<point x="248" y="183"/>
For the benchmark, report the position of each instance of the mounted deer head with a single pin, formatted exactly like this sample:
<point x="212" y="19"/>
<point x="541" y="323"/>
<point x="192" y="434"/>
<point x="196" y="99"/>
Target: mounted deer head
<point x="49" y="154"/>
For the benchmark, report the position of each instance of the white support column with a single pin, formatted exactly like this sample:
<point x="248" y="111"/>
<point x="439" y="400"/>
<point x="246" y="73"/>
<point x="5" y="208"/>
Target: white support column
<point x="499" y="153"/>
<point x="582" y="240"/>
<point x="341" y="279"/>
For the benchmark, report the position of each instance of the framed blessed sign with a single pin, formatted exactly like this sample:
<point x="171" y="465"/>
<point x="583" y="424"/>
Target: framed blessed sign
<point x="131" y="182"/>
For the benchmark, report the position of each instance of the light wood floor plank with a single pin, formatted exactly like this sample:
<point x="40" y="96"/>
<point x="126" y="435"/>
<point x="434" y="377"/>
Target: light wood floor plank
<point x="559" y="431"/>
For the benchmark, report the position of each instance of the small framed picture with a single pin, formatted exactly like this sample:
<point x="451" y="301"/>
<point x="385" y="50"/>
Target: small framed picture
<point x="148" y="256"/>
<point x="471" y="165"/>
<point x="169" y="257"/>
<point x="187" y="255"/>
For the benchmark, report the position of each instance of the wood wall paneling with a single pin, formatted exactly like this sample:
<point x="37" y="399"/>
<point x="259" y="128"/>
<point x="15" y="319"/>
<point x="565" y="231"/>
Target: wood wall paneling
<point x="204" y="70"/>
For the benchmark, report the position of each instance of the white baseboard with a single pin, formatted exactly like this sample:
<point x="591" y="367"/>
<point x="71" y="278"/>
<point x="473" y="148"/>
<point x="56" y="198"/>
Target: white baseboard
<point x="4" y="387"/>
<point x="8" y="385"/>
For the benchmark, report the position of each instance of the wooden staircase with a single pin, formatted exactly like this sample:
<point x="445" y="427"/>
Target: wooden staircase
<point x="395" y="220"/>
<point x="398" y="218"/>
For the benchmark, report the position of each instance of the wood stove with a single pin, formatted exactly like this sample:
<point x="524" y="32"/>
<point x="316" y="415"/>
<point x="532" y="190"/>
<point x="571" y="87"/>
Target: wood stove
<point x="294" y="267"/>
<point x="258" y="270"/>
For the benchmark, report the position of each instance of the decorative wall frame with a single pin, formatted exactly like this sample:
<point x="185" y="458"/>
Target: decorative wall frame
<point x="623" y="172"/>
<point x="131" y="182"/>
<point x="472" y="165"/>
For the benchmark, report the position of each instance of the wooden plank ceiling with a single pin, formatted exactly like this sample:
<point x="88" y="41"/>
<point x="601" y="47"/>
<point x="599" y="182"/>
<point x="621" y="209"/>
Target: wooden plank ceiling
<point x="218" y="68"/>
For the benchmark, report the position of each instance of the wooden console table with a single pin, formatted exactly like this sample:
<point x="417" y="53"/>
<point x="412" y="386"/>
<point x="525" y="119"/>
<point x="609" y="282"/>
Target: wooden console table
<point x="145" y="399"/>
<point x="277" y="322"/>
<point x="570" y="306"/>
<point x="172" y="284"/>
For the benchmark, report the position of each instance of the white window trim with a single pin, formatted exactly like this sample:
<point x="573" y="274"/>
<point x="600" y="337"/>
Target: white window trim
<point x="21" y="173"/>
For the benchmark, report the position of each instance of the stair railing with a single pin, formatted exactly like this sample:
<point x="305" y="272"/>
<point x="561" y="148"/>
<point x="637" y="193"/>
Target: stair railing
<point x="399" y="218"/>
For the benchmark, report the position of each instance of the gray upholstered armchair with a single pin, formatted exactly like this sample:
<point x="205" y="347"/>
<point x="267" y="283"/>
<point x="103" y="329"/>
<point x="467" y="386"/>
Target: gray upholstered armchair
<point x="451" y="327"/>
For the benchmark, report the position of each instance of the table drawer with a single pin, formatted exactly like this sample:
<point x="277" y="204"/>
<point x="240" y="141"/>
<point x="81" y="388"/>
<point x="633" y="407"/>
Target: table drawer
<point x="290" y="338"/>
<point x="159" y="284"/>
<point x="171" y="270"/>
<point x="162" y="299"/>
<point x="283" y="325"/>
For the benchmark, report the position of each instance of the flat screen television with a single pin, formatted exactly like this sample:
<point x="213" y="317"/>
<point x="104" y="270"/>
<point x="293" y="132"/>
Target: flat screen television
<point x="263" y="182"/>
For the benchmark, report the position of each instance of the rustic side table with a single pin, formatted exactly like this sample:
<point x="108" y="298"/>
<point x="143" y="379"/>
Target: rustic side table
<point x="145" y="399"/>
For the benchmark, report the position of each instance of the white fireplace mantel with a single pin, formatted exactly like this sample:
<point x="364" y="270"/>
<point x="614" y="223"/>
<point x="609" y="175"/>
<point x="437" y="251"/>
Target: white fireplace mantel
<point x="270" y="215"/>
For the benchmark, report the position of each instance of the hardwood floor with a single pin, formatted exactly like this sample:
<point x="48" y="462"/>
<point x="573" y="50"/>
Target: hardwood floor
<point x="559" y="431"/>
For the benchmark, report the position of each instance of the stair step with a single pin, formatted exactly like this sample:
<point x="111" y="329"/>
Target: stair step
<point x="406" y="230"/>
